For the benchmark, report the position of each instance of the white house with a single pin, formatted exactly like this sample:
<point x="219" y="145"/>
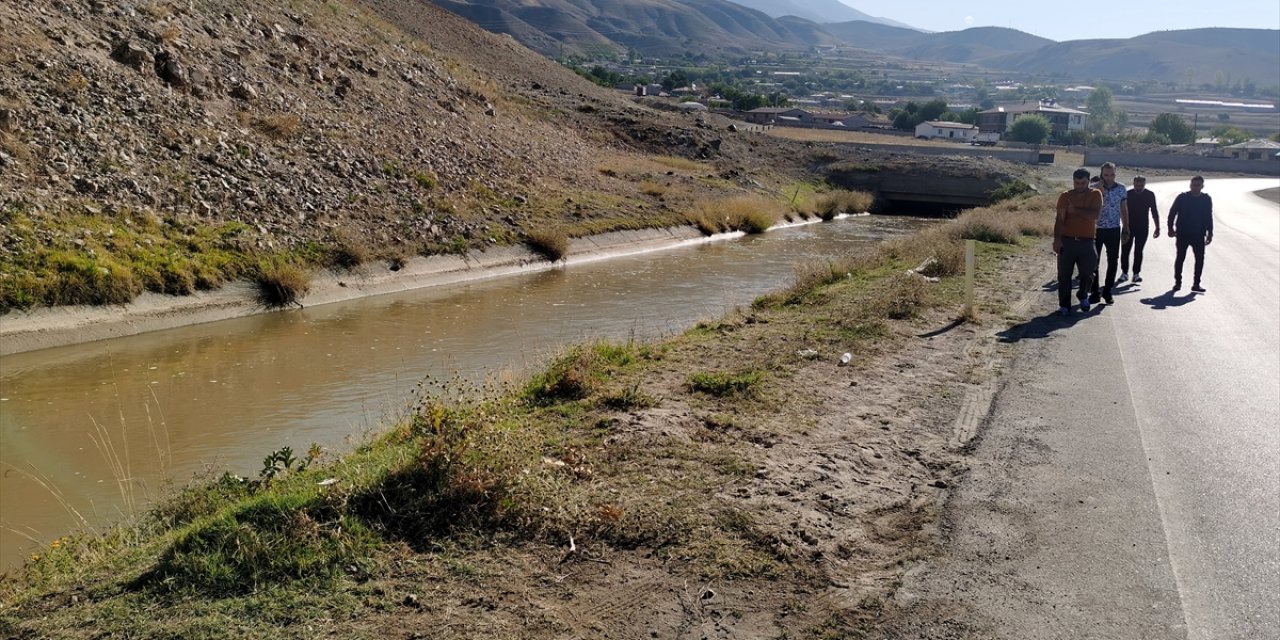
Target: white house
<point x="948" y="130"/>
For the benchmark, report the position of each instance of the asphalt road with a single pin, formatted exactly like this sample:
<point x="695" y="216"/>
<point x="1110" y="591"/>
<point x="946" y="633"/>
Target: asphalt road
<point x="1127" y="482"/>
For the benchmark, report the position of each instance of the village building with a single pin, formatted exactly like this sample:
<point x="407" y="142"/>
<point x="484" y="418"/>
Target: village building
<point x="958" y="131"/>
<point x="1256" y="149"/>
<point x="1061" y="119"/>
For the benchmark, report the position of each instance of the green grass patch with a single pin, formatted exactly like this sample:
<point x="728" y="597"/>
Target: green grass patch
<point x="722" y="384"/>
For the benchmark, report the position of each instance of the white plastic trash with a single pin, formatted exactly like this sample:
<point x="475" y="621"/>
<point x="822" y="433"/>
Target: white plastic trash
<point x="846" y="359"/>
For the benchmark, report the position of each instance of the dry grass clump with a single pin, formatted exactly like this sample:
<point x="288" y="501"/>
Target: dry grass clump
<point x="829" y="205"/>
<point x="348" y="251"/>
<point x="651" y="188"/>
<point x="901" y="297"/>
<point x="683" y="164"/>
<point x="552" y="244"/>
<point x="751" y="214"/>
<point x="280" y="283"/>
<point x="278" y="126"/>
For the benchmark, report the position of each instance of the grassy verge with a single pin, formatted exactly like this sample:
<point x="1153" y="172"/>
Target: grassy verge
<point x="561" y="461"/>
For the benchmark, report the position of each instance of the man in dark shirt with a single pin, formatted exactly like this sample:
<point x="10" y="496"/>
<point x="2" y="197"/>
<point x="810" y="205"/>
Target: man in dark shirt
<point x="1141" y="203"/>
<point x="1191" y="224"/>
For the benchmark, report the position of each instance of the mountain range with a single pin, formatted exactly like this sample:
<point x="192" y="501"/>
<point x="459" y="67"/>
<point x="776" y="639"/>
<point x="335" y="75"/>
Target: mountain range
<point x="745" y="27"/>
<point x="820" y="11"/>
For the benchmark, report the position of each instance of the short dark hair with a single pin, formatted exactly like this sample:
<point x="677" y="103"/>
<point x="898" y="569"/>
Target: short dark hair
<point x="1198" y="179"/>
<point x="1080" y="173"/>
<point x="1106" y="165"/>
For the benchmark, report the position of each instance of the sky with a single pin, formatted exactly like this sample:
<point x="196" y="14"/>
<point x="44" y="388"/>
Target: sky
<point x="1077" y="21"/>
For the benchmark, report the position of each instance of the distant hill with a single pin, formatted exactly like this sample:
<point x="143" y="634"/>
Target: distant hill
<point x="1189" y="56"/>
<point x="820" y="11"/>
<point x="972" y="45"/>
<point x="654" y="27"/>
<point x="874" y="36"/>
<point x="719" y="27"/>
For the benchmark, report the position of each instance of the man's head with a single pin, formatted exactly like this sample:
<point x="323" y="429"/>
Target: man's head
<point x="1139" y="183"/>
<point x="1080" y="179"/>
<point x="1197" y="184"/>
<point x="1108" y="172"/>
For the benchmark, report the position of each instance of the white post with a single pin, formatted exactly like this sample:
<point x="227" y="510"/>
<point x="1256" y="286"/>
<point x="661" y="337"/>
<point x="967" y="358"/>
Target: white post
<point x="968" y="276"/>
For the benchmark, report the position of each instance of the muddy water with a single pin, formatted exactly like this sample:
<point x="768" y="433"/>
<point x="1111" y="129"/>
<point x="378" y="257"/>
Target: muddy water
<point x="93" y="432"/>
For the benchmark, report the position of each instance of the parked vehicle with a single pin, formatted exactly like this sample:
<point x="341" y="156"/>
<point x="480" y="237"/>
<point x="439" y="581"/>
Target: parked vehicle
<point x="986" y="139"/>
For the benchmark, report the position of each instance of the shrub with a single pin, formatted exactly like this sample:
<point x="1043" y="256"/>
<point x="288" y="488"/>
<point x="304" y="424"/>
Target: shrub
<point x="829" y="205"/>
<point x="280" y="126"/>
<point x="573" y="376"/>
<point x="552" y="244"/>
<point x="751" y="214"/>
<point x="1010" y="189"/>
<point x="280" y="283"/>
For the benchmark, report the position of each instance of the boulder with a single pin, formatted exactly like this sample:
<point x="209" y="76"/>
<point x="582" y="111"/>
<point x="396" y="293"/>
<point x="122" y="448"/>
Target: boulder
<point x="133" y="55"/>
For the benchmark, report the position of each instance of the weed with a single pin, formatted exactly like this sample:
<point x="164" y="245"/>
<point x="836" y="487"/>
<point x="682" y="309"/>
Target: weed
<point x="1008" y="189"/>
<point x="573" y="376"/>
<point x="279" y="126"/>
<point x="425" y="180"/>
<point x="723" y="384"/>
<point x="828" y="205"/>
<point x="679" y="163"/>
<point x="651" y="188"/>
<point x="751" y="214"/>
<point x="628" y="399"/>
<point x="348" y="251"/>
<point x="552" y="244"/>
<point x="280" y="282"/>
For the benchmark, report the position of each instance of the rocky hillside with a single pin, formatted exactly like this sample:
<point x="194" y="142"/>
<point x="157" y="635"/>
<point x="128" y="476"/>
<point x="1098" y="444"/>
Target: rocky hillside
<point x="135" y="136"/>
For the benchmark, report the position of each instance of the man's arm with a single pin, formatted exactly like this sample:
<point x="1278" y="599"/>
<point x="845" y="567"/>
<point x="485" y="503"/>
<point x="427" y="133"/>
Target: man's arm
<point x="1058" y="221"/>
<point x="1173" y="215"/>
<point x="1155" y="214"/>
<point x="1124" y="218"/>
<point x="1208" y="223"/>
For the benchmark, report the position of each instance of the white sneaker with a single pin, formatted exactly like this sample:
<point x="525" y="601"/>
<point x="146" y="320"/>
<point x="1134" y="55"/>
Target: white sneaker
<point x="1123" y="276"/>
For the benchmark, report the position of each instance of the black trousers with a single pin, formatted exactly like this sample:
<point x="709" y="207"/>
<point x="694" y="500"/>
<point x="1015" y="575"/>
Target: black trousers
<point x="1137" y="240"/>
<point x="1109" y="238"/>
<point x="1075" y="254"/>
<point x="1197" y="247"/>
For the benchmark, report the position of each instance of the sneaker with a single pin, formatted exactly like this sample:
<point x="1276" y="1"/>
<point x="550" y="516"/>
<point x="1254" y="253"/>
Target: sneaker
<point x="1197" y="288"/>
<point x="1124" y="276"/>
<point x="1106" y="297"/>
<point x="1064" y="311"/>
<point x="1084" y="307"/>
<point x="1094" y="298"/>
<point x="1137" y="278"/>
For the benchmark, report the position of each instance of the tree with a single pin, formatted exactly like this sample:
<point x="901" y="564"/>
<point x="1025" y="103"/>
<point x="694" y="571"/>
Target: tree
<point x="1227" y="134"/>
<point x="1103" y="115"/>
<point x="932" y="110"/>
<point x="1173" y="127"/>
<point x="1033" y="129"/>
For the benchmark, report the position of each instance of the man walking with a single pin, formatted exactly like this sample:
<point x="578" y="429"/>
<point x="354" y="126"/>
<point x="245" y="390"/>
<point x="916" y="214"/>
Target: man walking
<point x="1113" y="222"/>
<point x="1073" y="239"/>
<point x="1140" y="202"/>
<point x="1191" y="225"/>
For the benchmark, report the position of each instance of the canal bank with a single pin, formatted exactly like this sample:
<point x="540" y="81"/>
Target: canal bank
<point x="44" y="328"/>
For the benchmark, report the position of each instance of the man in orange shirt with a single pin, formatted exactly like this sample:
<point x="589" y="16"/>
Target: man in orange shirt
<point x="1074" y="230"/>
